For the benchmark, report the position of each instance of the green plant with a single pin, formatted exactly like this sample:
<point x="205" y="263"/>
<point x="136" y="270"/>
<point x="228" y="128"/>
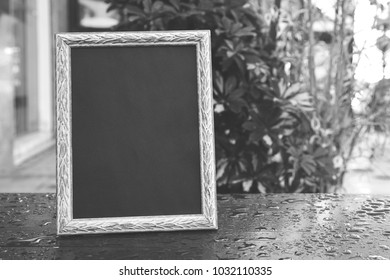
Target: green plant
<point x="270" y="128"/>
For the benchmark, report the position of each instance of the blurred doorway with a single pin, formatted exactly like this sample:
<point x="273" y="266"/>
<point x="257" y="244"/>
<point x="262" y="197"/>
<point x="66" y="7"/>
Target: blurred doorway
<point x="24" y="62"/>
<point x="26" y="80"/>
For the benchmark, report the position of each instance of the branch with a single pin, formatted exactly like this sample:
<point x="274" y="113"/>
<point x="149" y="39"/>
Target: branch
<point x="312" y="77"/>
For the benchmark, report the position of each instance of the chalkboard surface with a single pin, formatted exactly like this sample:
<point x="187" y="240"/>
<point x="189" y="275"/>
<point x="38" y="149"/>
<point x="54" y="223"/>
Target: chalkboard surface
<point x="135" y="131"/>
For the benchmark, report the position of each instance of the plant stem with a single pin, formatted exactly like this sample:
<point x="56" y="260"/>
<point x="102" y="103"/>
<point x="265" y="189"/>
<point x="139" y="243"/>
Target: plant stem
<point x="274" y="23"/>
<point x="332" y="52"/>
<point x="340" y="65"/>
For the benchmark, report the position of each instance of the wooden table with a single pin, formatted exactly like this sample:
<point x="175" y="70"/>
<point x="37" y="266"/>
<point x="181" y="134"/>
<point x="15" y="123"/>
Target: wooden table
<point x="274" y="226"/>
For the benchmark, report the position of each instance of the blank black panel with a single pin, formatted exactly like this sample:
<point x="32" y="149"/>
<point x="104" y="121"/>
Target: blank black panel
<point x="135" y="131"/>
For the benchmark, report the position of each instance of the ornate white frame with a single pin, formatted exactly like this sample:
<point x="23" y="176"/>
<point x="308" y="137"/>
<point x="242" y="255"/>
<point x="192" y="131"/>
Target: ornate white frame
<point x="66" y="225"/>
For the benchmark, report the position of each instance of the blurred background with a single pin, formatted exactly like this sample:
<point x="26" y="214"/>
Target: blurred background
<point x="301" y="87"/>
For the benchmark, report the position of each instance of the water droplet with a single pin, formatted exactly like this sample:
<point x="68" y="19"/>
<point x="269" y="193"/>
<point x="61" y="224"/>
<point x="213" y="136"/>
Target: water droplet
<point x="375" y="213"/>
<point x="19" y="242"/>
<point x="241" y="209"/>
<point x="331" y="249"/>
<point x="266" y="237"/>
<point x="221" y="239"/>
<point x="383" y="210"/>
<point x="331" y="254"/>
<point x="261" y="228"/>
<point x="386" y="233"/>
<point x="285" y="258"/>
<point x="362" y="224"/>
<point x="258" y="214"/>
<point x="347" y="252"/>
<point x="355" y="229"/>
<point x="375" y="257"/>
<point x="238" y="214"/>
<point x="329" y="241"/>
<point x="377" y="203"/>
<point x="246" y="245"/>
<point x="355" y="236"/>
<point x="357" y="256"/>
<point x="263" y="254"/>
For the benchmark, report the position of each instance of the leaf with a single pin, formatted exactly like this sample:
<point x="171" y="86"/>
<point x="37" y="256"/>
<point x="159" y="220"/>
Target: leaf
<point x="147" y="5"/>
<point x="221" y="166"/>
<point x="256" y="135"/>
<point x="133" y="18"/>
<point x="249" y="125"/>
<point x="255" y="162"/>
<point x="230" y="84"/>
<point x="261" y="188"/>
<point x="246" y="185"/>
<point x="111" y="7"/>
<point x="292" y="90"/>
<point x="134" y="10"/>
<point x="168" y="10"/>
<point x="294" y="152"/>
<point x="226" y="23"/>
<point x="218" y="84"/>
<point x="246" y="31"/>
<point x="229" y="44"/>
<point x="304" y="101"/>
<point x="253" y="59"/>
<point x="320" y="152"/>
<point x="157" y="6"/>
<point x="227" y="63"/>
<point x="236" y="3"/>
<point x="205" y="5"/>
<point x="240" y="64"/>
<point x="230" y="53"/>
<point x="237" y="93"/>
<point x="235" y="27"/>
<point x="267" y="140"/>
<point x="175" y="3"/>
<point x="308" y="164"/>
<point x="236" y="104"/>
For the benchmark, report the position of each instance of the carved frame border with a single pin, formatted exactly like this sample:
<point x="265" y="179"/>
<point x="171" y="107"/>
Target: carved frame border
<point x="66" y="225"/>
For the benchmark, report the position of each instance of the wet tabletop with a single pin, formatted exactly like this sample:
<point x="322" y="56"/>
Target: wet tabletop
<point x="274" y="226"/>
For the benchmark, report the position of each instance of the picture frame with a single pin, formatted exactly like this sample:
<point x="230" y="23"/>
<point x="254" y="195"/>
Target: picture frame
<point x="135" y="132"/>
